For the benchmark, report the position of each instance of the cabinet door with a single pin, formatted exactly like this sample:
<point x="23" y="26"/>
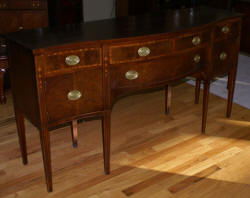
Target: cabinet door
<point x="9" y="21"/>
<point x="34" y="19"/>
<point x="73" y="94"/>
<point x="225" y="55"/>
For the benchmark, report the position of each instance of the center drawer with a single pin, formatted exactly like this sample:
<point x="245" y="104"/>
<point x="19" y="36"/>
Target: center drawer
<point x="159" y="70"/>
<point x="127" y="52"/>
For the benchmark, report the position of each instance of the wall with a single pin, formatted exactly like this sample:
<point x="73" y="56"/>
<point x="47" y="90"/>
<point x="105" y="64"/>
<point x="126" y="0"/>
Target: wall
<point x="98" y="9"/>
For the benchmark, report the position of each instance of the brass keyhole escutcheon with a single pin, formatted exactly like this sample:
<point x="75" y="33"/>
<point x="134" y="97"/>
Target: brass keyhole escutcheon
<point x="74" y="95"/>
<point x="72" y="60"/>
<point x="143" y="51"/>
<point x="196" y="40"/>
<point x="132" y="75"/>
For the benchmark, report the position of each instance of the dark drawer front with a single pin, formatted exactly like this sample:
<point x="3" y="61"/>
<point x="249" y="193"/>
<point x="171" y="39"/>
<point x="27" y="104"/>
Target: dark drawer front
<point x="192" y="40"/>
<point x="228" y="29"/>
<point x="34" y="19"/>
<point x="158" y="70"/>
<point x="67" y="60"/>
<point x="9" y="22"/>
<point x="74" y="94"/>
<point x="136" y="52"/>
<point x="12" y="21"/>
<point x="225" y="55"/>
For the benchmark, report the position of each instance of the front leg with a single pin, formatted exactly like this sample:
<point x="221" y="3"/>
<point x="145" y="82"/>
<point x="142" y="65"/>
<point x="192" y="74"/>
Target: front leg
<point x="45" y="144"/>
<point x="106" y="122"/>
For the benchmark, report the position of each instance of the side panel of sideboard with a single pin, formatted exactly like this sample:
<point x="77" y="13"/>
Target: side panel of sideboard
<point x="23" y="82"/>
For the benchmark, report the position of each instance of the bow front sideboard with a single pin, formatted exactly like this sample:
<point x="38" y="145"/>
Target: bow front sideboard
<point x="77" y="71"/>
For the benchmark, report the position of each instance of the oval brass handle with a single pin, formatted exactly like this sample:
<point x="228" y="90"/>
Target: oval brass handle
<point x="20" y="28"/>
<point x="131" y="75"/>
<point x="72" y="60"/>
<point x="143" y="51"/>
<point x="197" y="58"/>
<point x="223" y="56"/>
<point x="74" y="95"/>
<point x="196" y="40"/>
<point x="225" y="29"/>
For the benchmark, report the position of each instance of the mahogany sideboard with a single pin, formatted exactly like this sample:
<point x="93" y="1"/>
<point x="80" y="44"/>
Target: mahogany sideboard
<point x="76" y="71"/>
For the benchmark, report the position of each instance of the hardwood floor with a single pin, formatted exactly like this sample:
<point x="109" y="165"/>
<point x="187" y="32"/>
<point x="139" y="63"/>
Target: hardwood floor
<point x="152" y="155"/>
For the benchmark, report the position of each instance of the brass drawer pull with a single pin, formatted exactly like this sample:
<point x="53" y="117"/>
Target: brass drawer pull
<point x="131" y="75"/>
<point x="20" y="28"/>
<point x="3" y="45"/>
<point x="197" y="58"/>
<point x="143" y="51"/>
<point x="72" y="60"/>
<point x="74" y="95"/>
<point x="196" y="40"/>
<point x="225" y="29"/>
<point x="223" y="56"/>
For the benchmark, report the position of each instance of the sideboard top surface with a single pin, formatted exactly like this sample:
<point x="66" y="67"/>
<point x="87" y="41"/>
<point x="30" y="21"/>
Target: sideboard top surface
<point x="125" y="27"/>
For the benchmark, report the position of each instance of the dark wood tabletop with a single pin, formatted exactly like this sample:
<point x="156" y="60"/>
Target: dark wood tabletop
<point x="118" y="28"/>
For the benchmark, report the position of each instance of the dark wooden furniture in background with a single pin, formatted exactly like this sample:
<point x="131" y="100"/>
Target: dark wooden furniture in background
<point x="132" y="7"/>
<point x="16" y="15"/>
<point x="84" y="72"/>
<point x="244" y="7"/>
<point x="65" y="12"/>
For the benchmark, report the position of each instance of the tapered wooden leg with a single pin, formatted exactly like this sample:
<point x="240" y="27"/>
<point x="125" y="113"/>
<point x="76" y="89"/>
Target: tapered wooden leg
<point x="21" y="135"/>
<point x="197" y="91"/>
<point x="74" y="133"/>
<point x="106" y="140"/>
<point x="45" y="144"/>
<point x="168" y="97"/>
<point x="205" y="105"/>
<point x="2" y="95"/>
<point x="231" y="86"/>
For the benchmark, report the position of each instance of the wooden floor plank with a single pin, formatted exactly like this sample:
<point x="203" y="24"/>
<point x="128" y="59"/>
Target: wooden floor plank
<point x="152" y="155"/>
